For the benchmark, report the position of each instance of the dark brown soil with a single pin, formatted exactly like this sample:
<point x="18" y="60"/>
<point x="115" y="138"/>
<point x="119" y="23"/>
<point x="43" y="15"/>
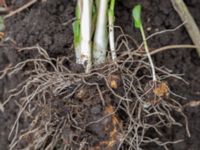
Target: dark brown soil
<point x="46" y="24"/>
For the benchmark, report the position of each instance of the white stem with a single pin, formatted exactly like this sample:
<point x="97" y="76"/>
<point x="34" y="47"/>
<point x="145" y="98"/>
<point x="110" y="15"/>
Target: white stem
<point x="148" y="55"/>
<point x="78" y="54"/>
<point x="100" y="37"/>
<point x="86" y="33"/>
<point x="111" y="37"/>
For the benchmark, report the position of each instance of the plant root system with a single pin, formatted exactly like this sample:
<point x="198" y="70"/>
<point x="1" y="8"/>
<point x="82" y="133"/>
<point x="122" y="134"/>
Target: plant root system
<point x="115" y="106"/>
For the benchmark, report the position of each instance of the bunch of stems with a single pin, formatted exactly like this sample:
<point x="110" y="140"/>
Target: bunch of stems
<point x="93" y="30"/>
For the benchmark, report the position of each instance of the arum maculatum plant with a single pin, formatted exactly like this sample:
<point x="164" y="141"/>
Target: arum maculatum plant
<point x="136" y="14"/>
<point x="91" y="34"/>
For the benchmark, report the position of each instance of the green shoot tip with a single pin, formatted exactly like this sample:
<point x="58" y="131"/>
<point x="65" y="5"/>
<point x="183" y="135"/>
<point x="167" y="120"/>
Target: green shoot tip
<point x="136" y="14"/>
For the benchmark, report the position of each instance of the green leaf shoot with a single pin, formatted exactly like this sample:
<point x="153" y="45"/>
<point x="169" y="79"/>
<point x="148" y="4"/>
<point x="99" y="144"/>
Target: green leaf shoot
<point x="111" y="10"/>
<point x="78" y="12"/>
<point x="76" y="32"/>
<point x="76" y="25"/>
<point x="136" y="14"/>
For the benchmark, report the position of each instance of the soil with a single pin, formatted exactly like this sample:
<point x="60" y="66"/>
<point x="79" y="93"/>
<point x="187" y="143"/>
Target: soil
<point x="49" y="25"/>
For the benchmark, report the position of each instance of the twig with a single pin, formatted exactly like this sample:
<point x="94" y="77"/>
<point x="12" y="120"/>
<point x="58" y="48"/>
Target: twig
<point x="20" y="9"/>
<point x="190" y="25"/>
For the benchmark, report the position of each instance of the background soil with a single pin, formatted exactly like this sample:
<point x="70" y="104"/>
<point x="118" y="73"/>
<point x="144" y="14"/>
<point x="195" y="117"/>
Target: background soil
<point x="49" y="25"/>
